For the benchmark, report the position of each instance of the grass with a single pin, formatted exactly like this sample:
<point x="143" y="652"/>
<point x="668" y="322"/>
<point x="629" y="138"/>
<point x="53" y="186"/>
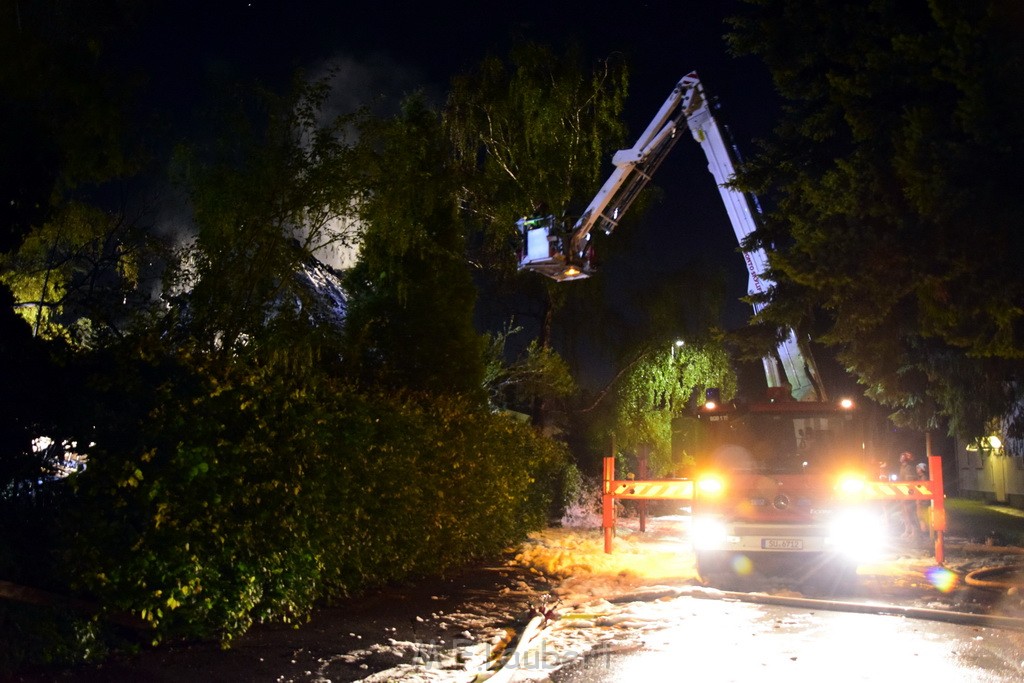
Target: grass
<point x="975" y="521"/>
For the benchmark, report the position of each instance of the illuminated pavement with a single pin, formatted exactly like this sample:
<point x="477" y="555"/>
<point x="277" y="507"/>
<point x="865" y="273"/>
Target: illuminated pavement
<point x="728" y="641"/>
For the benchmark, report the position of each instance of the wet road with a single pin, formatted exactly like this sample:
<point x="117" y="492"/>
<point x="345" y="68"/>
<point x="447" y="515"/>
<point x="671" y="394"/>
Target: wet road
<point x="731" y="641"/>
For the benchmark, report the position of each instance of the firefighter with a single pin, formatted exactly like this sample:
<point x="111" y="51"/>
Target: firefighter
<point x="908" y="473"/>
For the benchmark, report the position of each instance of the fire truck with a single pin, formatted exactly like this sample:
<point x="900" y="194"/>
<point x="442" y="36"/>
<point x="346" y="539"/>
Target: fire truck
<point x="782" y="484"/>
<point x="777" y="478"/>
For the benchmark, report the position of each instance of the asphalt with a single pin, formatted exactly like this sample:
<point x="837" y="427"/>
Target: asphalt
<point x="426" y="612"/>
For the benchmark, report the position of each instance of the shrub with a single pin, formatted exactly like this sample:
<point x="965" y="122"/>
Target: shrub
<point x="245" y="495"/>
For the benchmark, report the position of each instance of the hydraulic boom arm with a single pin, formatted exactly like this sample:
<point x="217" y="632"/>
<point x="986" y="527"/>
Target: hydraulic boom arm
<point x="565" y="254"/>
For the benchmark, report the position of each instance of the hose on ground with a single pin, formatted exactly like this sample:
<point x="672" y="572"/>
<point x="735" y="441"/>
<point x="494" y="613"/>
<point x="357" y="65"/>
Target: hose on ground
<point x="986" y="577"/>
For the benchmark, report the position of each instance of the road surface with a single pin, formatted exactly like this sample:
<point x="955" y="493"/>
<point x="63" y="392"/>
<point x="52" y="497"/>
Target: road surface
<point x="732" y="641"/>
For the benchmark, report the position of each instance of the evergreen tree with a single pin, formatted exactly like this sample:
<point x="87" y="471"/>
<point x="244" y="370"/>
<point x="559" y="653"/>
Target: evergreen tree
<point x="891" y="172"/>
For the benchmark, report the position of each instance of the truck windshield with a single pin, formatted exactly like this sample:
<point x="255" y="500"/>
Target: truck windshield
<point x="782" y="444"/>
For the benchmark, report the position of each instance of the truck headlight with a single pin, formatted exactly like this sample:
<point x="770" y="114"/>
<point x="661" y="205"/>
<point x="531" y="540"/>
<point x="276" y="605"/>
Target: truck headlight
<point x="858" y="534"/>
<point x="708" y="533"/>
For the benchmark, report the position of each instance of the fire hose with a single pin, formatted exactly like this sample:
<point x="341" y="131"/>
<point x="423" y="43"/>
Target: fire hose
<point x="1003" y="577"/>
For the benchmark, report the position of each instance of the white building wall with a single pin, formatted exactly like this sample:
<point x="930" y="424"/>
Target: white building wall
<point x="995" y="475"/>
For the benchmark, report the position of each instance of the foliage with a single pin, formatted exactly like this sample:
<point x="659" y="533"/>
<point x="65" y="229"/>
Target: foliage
<point x="219" y="499"/>
<point x="273" y="190"/>
<point x="539" y="374"/>
<point x="890" y="172"/>
<point x="661" y="385"/>
<point x="46" y="635"/>
<point x="71" y="142"/>
<point x="410" y="314"/>
<point x="242" y="465"/>
<point x="73" y="277"/>
<point x="529" y="133"/>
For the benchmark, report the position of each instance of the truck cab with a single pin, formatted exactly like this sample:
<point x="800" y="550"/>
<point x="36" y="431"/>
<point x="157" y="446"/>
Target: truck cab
<point x="779" y="481"/>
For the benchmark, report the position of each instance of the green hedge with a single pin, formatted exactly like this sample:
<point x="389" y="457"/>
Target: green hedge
<point x="210" y="505"/>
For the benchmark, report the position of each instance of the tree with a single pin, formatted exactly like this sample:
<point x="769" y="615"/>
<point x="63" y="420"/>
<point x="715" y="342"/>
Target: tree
<point x="410" y="315"/>
<point x="273" y="190"/>
<point x="531" y="133"/>
<point x="71" y="141"/>
<point x="74" y="276"/>
<point x="660" y="386"/>
<point x="538" y="373"/>
<point x="890" y="232"/>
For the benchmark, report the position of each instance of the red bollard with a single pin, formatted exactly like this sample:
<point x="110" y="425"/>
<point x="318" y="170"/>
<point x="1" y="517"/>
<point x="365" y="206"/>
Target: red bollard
<point x="938" y="505"/>
<point x="608" y="504"/>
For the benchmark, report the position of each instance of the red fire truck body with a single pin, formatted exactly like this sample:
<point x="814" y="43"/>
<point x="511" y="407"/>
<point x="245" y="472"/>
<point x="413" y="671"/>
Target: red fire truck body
<point x="783" y="480"/>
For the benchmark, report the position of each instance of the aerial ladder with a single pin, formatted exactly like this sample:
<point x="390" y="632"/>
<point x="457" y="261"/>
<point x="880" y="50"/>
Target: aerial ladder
<point x="565" y="253"/>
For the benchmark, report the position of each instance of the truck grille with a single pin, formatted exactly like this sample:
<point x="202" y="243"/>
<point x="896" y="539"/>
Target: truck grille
<point x="784" y="531"/>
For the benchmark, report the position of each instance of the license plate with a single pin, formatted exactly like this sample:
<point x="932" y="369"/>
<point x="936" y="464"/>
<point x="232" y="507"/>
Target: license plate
<point x="782" y="543"/>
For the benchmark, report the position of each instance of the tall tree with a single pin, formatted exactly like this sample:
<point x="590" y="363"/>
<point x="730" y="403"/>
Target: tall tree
<point x="890" y="172"/>
<point x="532" y="133"/>
<point x="410" y="318"/>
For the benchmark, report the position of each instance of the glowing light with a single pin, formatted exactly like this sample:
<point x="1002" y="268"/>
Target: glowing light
<point x="995" y="442"/>
<point x="41" y="443"/>
<point x="850" y="485"/>
<point x="708" y="533"/>
<point x="711" y="396"/>
<point x="846" y="404"/>
<point x="571" y="271"/>
<point x="710" y="485"/>
<point x="942" y="578"/>
<point x="859" y="534"/>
